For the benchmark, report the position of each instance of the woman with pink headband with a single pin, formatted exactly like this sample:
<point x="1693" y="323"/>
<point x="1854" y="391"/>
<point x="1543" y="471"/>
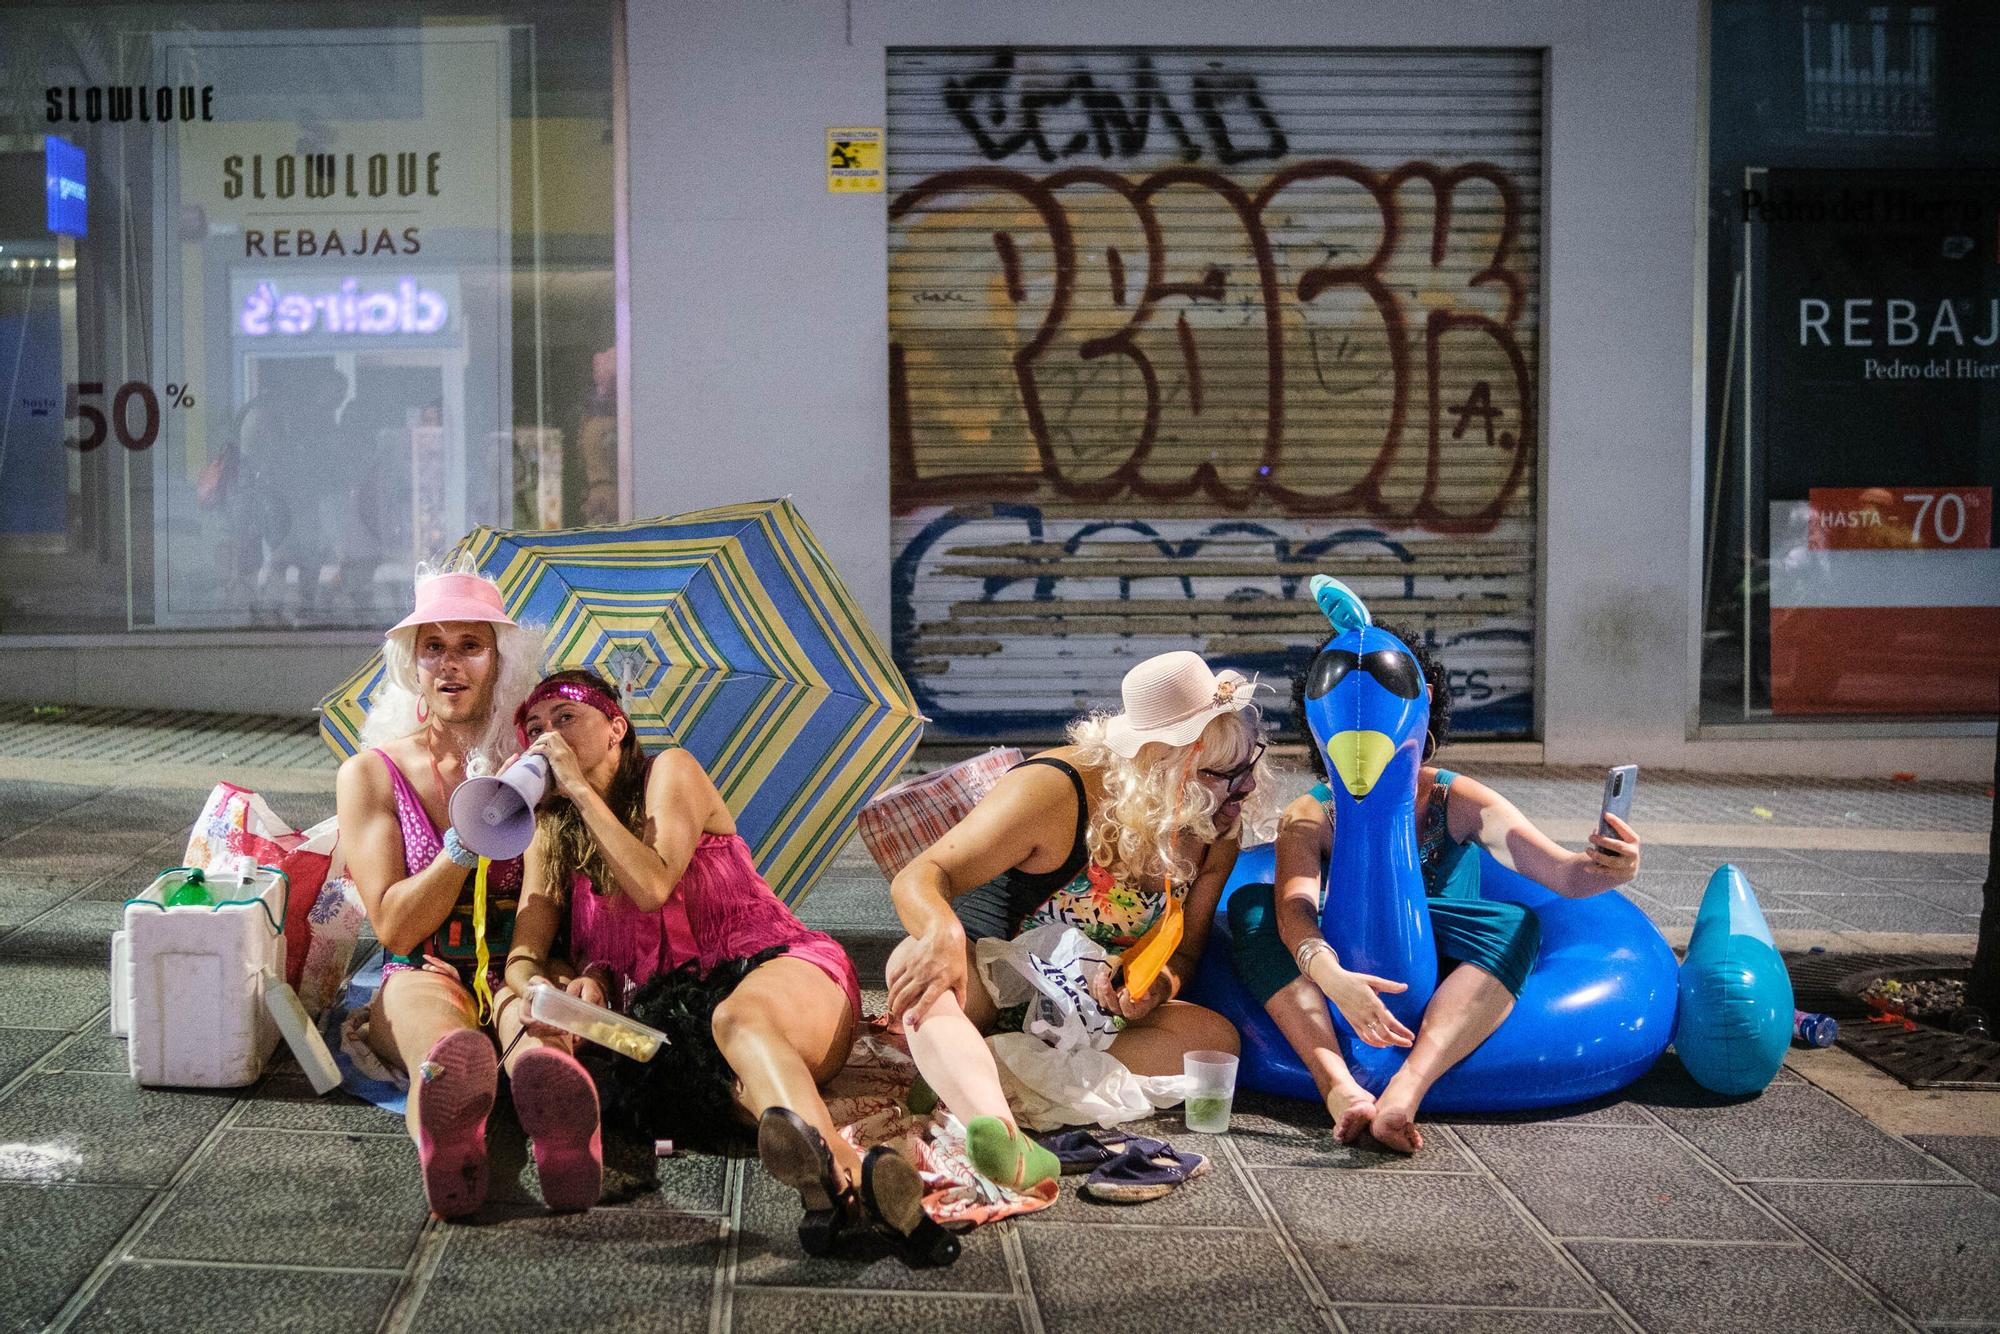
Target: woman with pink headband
<point x="455" y="666"/>
<point x="669" y="920"/>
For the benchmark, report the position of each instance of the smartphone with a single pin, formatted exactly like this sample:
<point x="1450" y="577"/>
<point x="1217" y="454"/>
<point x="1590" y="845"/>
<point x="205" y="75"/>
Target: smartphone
<point x="1619" y="785"/>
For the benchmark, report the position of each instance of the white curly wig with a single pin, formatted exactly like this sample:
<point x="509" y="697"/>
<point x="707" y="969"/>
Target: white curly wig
<point x="1154" y="795"/>
<point x="392" y="713"/>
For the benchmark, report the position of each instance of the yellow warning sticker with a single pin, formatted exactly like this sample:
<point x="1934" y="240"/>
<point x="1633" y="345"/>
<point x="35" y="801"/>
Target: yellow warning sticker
<point x="854" y="160"/>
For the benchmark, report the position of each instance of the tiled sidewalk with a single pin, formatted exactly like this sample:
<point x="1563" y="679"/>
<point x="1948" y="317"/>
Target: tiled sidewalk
<point x="1664" y="1209"/>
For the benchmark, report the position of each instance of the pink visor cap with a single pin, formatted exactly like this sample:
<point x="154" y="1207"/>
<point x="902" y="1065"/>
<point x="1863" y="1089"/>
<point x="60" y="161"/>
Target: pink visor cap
<point x="455" y="597"/>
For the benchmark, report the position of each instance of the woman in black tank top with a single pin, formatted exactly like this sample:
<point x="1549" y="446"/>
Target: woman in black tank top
<point x="1142" y="808"/>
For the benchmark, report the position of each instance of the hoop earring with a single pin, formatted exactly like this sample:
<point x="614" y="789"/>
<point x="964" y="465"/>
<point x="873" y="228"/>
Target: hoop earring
<point x="1430" y="743"/>
<point x="423" y="711"/>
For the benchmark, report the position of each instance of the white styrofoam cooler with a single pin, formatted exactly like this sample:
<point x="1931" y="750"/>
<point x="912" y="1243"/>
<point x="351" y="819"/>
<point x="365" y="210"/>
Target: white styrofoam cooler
<point x="188" y="984"/>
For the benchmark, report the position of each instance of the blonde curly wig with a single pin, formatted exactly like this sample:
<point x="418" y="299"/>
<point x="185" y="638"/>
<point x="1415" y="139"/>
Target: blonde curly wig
<point x="392" y="713"/>
<point x="1156" y="794"/>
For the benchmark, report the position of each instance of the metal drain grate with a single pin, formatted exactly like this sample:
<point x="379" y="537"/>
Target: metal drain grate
<point x="1924" y="1057"/>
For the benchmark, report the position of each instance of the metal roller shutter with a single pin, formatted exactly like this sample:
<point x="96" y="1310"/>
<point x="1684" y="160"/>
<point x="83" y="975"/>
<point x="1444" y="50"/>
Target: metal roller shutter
<point x="1172" y="330"/>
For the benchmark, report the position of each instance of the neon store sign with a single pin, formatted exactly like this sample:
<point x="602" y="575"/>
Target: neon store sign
<point x="407" y="307"/>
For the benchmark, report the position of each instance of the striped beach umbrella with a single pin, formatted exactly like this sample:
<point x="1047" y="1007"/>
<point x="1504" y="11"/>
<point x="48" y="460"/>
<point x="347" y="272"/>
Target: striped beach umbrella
<point x="729" y="634"/>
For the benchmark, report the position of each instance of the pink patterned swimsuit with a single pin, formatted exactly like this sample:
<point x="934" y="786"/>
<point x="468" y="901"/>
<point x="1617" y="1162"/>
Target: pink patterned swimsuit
<point x="721" y="909"/>
<point x="452" y="947"/>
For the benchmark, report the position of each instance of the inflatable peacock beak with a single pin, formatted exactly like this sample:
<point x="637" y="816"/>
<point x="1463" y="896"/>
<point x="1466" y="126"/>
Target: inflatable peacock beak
<point x="1359" y="758"/>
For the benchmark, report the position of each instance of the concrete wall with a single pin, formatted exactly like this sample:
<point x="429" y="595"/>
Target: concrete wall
<point x="759" y="348"/>
<point x="759" y="308"/>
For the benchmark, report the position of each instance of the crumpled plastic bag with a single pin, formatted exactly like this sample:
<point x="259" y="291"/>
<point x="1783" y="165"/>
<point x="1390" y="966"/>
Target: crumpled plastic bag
<point x="1049" y="1089"/>
<point x="1056" y="1071"/>
<point x="1049" y="968"/>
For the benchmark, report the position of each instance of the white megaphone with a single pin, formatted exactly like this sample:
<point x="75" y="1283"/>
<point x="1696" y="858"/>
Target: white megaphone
<point x="495" y="817"/>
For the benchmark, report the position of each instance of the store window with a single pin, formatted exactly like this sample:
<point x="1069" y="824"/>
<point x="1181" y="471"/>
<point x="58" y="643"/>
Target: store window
<point x="1853" y="362"/>
<point x="291" y="297"/>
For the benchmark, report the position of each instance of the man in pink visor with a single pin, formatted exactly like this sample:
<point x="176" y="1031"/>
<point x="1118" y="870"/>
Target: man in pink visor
<point x="457" y="668"/>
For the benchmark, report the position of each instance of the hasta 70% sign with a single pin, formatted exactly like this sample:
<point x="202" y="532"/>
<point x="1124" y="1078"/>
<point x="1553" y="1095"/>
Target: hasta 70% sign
<point x="133" y="415"/>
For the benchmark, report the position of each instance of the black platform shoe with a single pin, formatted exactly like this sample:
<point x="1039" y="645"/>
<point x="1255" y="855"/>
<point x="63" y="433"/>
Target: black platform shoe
<point x="893" y="1195"/>
<point x="794" y="1153"/>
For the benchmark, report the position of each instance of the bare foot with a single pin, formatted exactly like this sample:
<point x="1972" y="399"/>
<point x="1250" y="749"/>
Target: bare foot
<point x="1352" y="1108"/>
<point x="1394" y="1128"/>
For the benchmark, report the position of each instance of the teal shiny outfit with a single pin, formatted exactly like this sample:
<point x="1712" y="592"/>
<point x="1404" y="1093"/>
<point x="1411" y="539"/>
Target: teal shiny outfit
<point x="1498" y="938"/>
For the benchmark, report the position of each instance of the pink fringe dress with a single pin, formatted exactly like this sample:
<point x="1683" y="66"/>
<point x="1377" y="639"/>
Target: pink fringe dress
<point x="721" y="909"/>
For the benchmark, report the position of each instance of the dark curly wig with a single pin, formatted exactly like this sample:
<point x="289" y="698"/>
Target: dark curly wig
<point x="1427" y="662"/>
<point x="687" y="1092"/>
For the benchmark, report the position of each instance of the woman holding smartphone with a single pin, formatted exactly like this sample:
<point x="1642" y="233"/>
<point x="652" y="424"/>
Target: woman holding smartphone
<point x="1486" y="947"/>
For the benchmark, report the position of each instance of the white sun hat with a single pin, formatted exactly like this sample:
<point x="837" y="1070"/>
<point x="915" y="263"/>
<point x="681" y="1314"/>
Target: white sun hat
<point x="1171" y="698"/>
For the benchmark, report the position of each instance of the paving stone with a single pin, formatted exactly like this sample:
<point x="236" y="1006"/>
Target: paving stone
<point x="1891" y="912"/>
<point x="23" y="901"/>
<point x="76" y="931"/>
<point x="22" y="1047"/>
<point x="1456" y="1320"/>
<point x="1614" y="1109"/>
<point x="1802" y="877"/>
<point x="1676" y="889"/>
<point x="1886" y="865"/>
<point x="1959" y="896"/>
<point x="335" y="1200"/>
<point x="1933" y="1250"/>
<point x="287" y="1102"/>
<point x="1790" y="1131"/>
<point x="1590" y="1181"/>
<point x="1410" y="1239"/>
<point x="1217" y="1198"/>
<point x="54" y="1239"/>
<point x="117" y="1131"/>
<point x="62" y="994"/>
<point x="229" y="1301"/>
<point x="768" y="1252"/>
<point x="95" y="1049"/>
<point x="1289" y="1132"/>
<point x="72" y="857"/>
<point x="1146" y="1281"/>
<point x="1730" y="1289"/>
<point x="1977" y="1156"/>
<point x="609" y="1269"/>
<point x="689" y="1183"/>
<point x="845" y="1313"/>
<point x="25" y="805"/>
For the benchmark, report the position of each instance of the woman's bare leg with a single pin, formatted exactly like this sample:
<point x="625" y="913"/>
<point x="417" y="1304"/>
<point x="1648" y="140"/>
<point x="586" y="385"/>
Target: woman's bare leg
<point x="951" y="1052"/>
<point x="1301" y="1013"/>
<point x="1155" y="1045"/>
<point x="510" y="1016"/>
<point x="785" y="1030"/>
<point x="1467" y="1006"/>
<point x="413" y="1010"/>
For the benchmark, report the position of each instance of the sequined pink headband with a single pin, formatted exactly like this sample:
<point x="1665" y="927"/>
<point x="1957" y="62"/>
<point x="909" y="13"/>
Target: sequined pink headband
<point x="570" y="690"/>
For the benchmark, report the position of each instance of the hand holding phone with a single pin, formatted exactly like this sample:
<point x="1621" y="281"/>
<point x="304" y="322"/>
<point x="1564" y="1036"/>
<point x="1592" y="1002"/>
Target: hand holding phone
<point x="1619" y="785"/>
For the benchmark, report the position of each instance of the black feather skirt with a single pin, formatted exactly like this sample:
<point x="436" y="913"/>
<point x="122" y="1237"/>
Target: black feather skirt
<point x="687" y="1092"/>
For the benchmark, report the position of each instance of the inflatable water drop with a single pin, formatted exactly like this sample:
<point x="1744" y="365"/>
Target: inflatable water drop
<point x="1735" y="996"/>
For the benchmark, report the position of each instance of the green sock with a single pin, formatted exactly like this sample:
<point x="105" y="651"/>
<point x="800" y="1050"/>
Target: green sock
<point x="1007" y="1157"/>
<point x="922" y="1099"/>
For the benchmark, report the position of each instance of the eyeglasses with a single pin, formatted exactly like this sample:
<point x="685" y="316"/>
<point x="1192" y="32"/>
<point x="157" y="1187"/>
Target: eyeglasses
<point x="1234" y="777"/>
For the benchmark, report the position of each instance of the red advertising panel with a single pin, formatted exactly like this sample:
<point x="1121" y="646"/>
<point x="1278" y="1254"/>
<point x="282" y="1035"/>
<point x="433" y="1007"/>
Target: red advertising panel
<point x="1895" y="518"/>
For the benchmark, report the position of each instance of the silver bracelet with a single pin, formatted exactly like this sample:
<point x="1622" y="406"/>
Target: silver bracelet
<point x="1311" y="948"/>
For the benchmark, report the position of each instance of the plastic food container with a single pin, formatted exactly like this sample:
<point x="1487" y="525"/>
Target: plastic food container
<point x="555" y="1007"/>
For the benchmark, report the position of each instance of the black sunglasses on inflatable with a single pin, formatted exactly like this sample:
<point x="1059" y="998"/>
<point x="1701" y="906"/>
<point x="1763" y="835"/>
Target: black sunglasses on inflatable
<point x="1397" y="672"/>
<point x="1239" y="773"/>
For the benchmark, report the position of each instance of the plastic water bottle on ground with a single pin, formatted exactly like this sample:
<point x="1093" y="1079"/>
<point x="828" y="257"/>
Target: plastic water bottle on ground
<point x="1815" y="1030"/>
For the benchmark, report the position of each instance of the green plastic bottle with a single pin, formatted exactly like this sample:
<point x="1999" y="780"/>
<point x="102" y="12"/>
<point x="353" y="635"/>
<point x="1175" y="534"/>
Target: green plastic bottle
<point x="191" y="892"/>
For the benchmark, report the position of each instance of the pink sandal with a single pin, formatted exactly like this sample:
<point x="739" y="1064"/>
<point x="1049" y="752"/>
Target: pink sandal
<point x="458" y="1080"/>
<point x="557" y="1103"/>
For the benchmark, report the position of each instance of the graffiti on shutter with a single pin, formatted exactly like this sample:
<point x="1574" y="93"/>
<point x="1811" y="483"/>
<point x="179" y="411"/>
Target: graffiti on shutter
<point x="1171" y="331"/>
